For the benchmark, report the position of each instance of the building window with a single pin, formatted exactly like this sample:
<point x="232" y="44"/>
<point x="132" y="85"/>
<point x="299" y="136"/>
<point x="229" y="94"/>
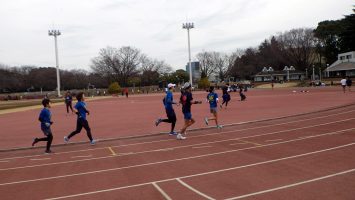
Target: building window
<point x="342" y="57"/>
<point x="348" y="57"/>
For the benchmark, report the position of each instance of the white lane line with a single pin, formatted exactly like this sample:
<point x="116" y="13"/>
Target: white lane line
<point x="201" y="147"/>
<point x="167" y="149"/>
<point x="238" y="143"/>
<point x="207" y="173"/>
<point x="165" y="161"/>
<point x="3" y="161"/>
<point x="274" y="140"/>
<point x="250" y="142"/>
<point x="128" y="153"/>
<point x="306" y="137"/>
<point x="88" y="156"/>
<point x="179" y="147"/>
<point x="197" y="136"/>
<point x="293" y="185"/>
<point x="36" y="159"/>
<point x="194" y="190"/>
<point x="165" y="195"/>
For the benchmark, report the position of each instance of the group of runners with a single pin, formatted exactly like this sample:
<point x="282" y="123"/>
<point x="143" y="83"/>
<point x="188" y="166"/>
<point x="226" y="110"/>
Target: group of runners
<point x="186" y="100"/>
<point x="45" y="118"/>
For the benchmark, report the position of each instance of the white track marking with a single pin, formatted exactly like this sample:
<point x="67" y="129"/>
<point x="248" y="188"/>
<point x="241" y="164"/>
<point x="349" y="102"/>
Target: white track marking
<point x="37" y="159"/>
<point x="250" y="142"/>
<point x="128" y="153"/>
<point x="166" y="149"/>
<point x="292" y="185"/>
<point x="151" y="151"/>
<point x="4" y="161"/>
<point x="165" y="195"/>
<point x="112" y="151"/>
<point x="194" y="190"/>
<point x="168" y="140"/>
<point x="174" y="160"/>
<point x="201" y="147"/>
<point x="274" y="140"/>
<point x="238" y="143"/>
<point x="82" y="156"/>
<point x="207" y="173"/>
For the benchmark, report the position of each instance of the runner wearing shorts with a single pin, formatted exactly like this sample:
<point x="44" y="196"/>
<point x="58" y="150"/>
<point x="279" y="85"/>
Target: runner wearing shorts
<point x="186" y="100"/>
<point x="212" y="99"/>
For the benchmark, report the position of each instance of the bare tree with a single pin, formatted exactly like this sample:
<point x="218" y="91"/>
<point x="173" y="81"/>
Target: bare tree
<point x="147" y="64"/>
<point x="106" y="64"/>
<point x="129" y="60"/>
<point x="298" y="46"/>
<point x="117" y="64"/>
<point x="207" y="66"/>
<point x="152" y="70"/>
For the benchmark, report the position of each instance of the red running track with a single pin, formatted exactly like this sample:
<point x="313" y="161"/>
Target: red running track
<point x="309" y="156"/>
<point x="121" y="117"/>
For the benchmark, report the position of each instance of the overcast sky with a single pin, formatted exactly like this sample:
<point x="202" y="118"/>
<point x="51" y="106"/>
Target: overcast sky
<point x="153" y="26"/>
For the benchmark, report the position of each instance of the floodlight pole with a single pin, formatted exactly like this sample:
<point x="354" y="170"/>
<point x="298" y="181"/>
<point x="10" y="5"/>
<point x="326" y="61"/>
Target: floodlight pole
<point x="189" y="26"/>
<point x="56" y="33"/>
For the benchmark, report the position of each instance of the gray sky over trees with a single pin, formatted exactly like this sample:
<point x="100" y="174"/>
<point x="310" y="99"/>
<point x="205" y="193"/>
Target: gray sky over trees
<point x="153" y="26"/>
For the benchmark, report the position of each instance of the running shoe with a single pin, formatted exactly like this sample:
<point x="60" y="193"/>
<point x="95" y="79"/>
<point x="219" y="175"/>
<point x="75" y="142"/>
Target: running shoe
<point x="34" y="141"/>
<point x="206" y="121"/>
<point x="219" y="126"/>
<point x="180" y="137"/>
<point x="93" y="142"/>
<point x="173" y="133"/>
<point x="158" y="122"/>
<point x="66" y="139"/>
<point x="48" y="152"/>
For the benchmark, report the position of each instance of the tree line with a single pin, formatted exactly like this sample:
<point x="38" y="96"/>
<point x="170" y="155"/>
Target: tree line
<point x="32" y="78"/>
<point x="302" y="48"/>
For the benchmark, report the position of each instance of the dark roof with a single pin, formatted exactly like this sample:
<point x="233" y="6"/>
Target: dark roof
<point x="342" y="67"/>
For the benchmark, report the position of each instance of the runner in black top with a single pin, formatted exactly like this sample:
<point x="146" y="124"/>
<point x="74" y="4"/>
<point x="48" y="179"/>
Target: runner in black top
<point x="68" y="102"/>
<point x="186" y="100"/>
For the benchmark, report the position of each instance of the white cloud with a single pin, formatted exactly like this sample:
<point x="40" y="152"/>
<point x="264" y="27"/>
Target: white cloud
<point x="153" y="26"/>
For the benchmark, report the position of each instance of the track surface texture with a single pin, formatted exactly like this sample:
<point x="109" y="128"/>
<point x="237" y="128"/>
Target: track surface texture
<point x="309" y="155"/>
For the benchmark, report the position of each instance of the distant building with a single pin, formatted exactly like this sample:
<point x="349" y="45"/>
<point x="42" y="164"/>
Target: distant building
<point x="288" y="73"/>
<point x="344" y="66"/>
<point x="196" y="74"/>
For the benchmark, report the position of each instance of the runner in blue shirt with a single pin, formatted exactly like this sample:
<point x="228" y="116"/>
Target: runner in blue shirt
<point x="170" y="113"/>
<point x="46" y="122"/>
<point x="212" y="99"/>
<point x="81" y="111"/>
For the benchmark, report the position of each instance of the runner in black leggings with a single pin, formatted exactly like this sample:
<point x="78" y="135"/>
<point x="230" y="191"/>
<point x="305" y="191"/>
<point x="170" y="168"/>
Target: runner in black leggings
<point x="46" y="122"/>
<point x="81" y="111"/>
<point x="68" y="102"/>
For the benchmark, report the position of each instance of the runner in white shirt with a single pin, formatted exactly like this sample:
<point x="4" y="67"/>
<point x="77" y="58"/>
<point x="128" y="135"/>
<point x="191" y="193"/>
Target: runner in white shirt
<point x="343" y="84"/>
